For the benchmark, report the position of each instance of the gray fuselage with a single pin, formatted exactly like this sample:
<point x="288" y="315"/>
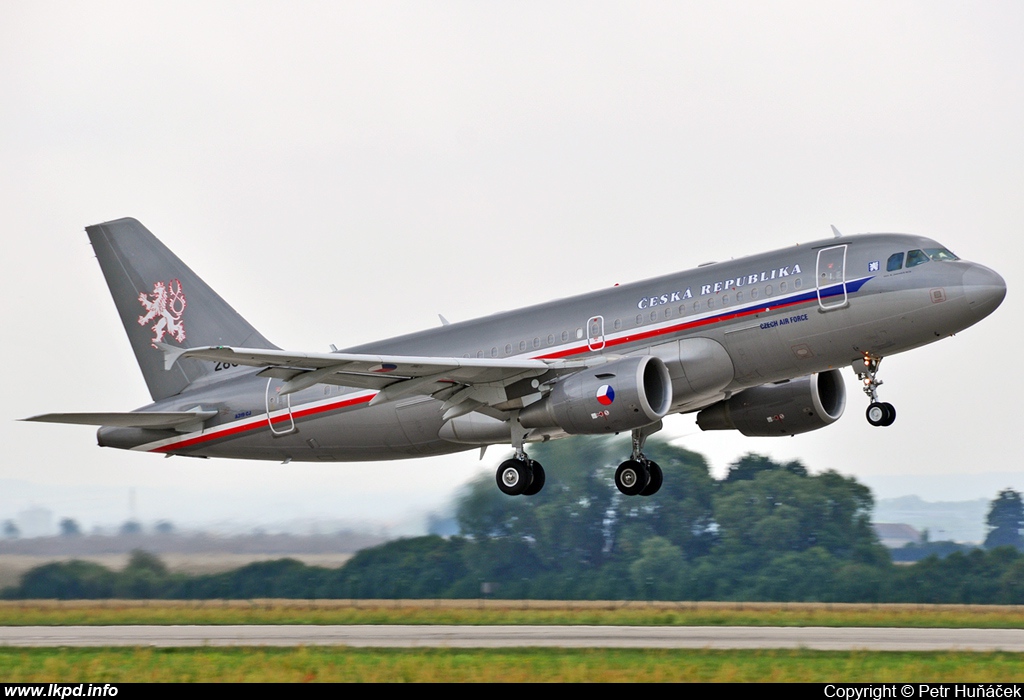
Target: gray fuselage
<point x="720" y="328"/>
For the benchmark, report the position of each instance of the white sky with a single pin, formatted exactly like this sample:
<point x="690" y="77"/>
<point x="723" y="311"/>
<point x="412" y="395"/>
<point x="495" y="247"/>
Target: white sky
<point x="343" y="172"/>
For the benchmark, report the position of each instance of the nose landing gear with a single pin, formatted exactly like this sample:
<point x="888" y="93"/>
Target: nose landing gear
<point x="879" y="413"/>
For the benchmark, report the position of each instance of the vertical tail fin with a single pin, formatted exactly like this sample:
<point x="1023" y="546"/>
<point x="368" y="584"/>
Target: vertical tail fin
<point x="160" y="300"/>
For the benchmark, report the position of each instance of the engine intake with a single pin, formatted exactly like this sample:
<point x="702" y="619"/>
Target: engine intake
<point x="792" y="407"/>
<point x="621" y="395"/>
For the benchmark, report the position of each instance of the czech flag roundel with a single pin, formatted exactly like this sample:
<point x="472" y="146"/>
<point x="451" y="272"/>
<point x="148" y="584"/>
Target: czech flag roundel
<point x="605" y="395"/>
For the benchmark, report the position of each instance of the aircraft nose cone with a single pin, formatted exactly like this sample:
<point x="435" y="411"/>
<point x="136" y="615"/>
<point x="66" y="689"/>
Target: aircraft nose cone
<point x="984" y="289"/>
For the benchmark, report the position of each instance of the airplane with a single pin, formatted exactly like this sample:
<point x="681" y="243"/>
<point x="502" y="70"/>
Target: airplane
<point x="753" y="344"/>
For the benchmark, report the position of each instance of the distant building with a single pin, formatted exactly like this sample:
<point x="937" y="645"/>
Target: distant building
<point x="895" y="535"/>
<point x="960" y="521"/>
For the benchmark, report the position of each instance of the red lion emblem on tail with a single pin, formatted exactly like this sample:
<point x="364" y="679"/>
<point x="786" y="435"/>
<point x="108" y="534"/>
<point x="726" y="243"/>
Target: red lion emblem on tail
<point x="167" y="305"/>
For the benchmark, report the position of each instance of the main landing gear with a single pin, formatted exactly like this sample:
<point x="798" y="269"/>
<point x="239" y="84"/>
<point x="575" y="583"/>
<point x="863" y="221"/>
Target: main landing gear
<point x="639" y="476"/>
<point x="520" y="475"/>
<point x="879" y="413"/>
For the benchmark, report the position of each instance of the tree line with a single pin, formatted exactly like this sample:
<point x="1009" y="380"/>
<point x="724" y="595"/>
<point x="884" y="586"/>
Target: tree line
<point x="767" y="531"/>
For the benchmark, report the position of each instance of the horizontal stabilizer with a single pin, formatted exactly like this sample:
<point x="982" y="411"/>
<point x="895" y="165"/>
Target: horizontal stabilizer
<point x="171" y="354"/>
<point x="163" y="420"/>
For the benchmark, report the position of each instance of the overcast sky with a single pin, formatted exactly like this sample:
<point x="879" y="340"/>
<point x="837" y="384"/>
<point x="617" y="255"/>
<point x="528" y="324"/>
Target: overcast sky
<point x="344" y="172"/>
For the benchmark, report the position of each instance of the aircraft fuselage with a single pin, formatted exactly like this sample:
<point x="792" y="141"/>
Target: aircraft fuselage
<point x="719" y="328"/>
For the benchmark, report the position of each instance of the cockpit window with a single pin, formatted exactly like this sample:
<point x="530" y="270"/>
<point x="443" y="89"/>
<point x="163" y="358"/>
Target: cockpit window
<point x="895" y="262"/>
<point x="916" y="257"/>
<point x="940" y="254"/>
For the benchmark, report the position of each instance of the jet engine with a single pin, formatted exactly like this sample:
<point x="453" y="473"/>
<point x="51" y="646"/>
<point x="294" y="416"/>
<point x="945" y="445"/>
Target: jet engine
<point x="618" y="396"/>
<point x="787" y="408"/>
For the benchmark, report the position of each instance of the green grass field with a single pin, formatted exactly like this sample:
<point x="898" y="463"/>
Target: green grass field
<point x="504" y="665"/>
<point x="490" y="612"/>
<point x="308" y="664"/>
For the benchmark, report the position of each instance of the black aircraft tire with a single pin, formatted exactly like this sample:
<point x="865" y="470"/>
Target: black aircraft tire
<point x="890" y="416"/>
<point x="538" y="479"/>
<point x="657" y="478"/>
<point x="631" y="477"/>
<point x="513" y="477"/>
<point x="877" y="414"/>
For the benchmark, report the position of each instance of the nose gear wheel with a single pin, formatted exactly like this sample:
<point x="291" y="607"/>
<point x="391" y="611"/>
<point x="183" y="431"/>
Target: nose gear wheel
<point x="881" y="414"/>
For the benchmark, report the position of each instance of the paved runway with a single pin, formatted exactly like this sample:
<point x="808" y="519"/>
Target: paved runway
<point x="493" y="636"/>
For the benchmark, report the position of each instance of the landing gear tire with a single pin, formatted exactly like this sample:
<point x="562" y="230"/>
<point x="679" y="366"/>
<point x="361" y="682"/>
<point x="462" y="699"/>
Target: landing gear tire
<point x="881" y="414"/>
<point x="656" y="479"/>
<point x="631" y="477"/>
<point x="891" y="418"/>
<point x="514" y="477"/>
<point x="538" y="479"/>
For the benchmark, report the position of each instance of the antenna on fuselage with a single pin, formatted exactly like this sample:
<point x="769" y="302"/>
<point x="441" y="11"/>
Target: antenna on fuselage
<point x="835" y="232"/>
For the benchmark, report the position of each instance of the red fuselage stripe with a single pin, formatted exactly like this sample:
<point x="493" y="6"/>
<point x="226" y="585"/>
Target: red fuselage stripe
<point x="238" y="429"/>
<point x="677" y="328"/>
<point x="346" y="403"/>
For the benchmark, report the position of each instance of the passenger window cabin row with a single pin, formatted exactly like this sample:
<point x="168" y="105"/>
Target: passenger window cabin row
<point x="659" y="313"/>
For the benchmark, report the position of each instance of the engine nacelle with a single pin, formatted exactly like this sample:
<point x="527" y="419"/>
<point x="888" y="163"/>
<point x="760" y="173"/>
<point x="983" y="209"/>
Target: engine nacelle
<point x="621" y="395"/>
<point x="789" y="408"/>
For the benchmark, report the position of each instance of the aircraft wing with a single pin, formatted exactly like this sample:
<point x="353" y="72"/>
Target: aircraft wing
<point x="465" y="383"/>
<point x="157" y="420"/>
